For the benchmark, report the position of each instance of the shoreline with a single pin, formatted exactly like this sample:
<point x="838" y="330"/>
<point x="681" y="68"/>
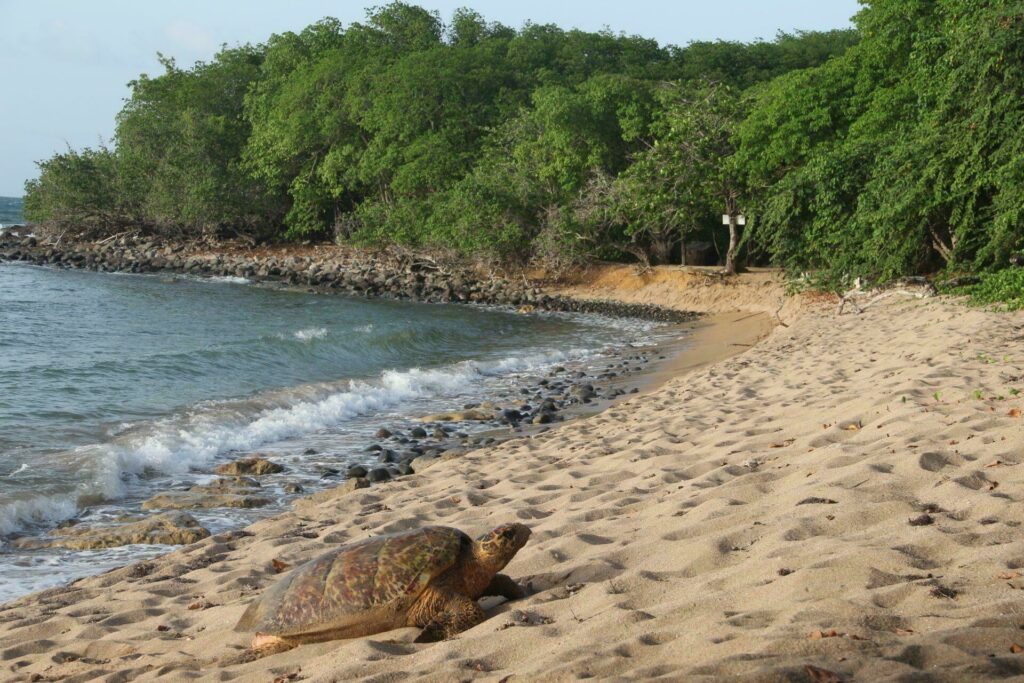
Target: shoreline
<point x="806" y="504"/>
<point x="715" y="337"/>
<point x="842" y="498"/>
<point x="639" y="376"/>
<point x="699" y="343"/>
<point x="324" y="268"/>
<point x="705" y="341"/>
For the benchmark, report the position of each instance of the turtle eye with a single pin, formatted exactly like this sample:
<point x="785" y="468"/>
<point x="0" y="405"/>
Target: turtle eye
<point x="509" y="533"/>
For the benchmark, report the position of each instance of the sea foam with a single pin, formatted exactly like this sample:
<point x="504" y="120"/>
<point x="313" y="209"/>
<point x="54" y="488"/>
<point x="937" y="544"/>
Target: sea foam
<point x="310" y="334"/>
<point x="196" y="439"/>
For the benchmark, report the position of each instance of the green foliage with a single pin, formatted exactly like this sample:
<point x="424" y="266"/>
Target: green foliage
<point x="469" y="135"/>
<point x="902" y="155"/>
<point x="77" y="190"/>
<point x="684" y="172"/>
<point x="742" y="65"/>
<point x="1003" y="290"/>
<point x="179" y="142"/>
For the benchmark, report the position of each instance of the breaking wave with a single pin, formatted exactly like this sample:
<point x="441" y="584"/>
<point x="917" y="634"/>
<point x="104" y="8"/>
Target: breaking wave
<point x="201" y="435"/>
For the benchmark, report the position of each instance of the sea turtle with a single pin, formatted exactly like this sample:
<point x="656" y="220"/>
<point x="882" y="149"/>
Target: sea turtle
<point x="429" y="577"/>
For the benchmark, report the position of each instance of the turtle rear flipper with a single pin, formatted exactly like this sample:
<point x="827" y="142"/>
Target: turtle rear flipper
<point x="459" y="614"/>
<point x="262" y="646"/>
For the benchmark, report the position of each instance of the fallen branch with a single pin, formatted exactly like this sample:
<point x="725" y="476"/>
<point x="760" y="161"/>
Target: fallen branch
<point x="60" y="237"/>
<point x="849" y="298"/>
<point x="112" y="237"/>
<point x="962" y="281"/>
<point x="779" y="310"/>
<point x="925" y="289"/>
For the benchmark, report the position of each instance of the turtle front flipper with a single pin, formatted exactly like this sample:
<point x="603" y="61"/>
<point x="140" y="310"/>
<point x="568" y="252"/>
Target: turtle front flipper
<point x="457" y="614"/>
<point x="505" y="587"/>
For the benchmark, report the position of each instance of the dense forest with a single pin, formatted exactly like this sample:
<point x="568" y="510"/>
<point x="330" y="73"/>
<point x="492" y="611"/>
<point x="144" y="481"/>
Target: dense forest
<point x="889" y="149"/>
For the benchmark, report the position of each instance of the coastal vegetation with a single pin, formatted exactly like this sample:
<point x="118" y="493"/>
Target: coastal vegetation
<point x="886" y="150"/>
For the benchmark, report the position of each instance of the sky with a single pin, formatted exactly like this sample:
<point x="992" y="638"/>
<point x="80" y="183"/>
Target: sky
<point x="65" y="64"/>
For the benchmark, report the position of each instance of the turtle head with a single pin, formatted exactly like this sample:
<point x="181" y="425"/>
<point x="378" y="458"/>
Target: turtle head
<point x="499" y="546"/>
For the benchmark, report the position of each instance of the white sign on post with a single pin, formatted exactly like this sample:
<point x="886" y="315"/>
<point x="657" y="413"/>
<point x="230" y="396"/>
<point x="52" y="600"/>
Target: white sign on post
<point x="740" y="219"/>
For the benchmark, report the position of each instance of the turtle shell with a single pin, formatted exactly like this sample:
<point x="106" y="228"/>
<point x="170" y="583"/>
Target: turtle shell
<point x="360" y="588"/>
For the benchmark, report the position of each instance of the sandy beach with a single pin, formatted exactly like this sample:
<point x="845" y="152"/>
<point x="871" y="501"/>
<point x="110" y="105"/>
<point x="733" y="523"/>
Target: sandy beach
<point x="810" y="497"/>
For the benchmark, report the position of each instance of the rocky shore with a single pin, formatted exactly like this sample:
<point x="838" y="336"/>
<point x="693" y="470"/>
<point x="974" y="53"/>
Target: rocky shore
<point x="323" y="268"/>
<point x="251" y="481"/>
<point x="256" y="480"/>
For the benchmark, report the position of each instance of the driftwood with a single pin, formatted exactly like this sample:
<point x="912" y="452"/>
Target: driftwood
<point x="779" y="310"/>
<point x="899" y="287"/>
<point x="962" y="281"/>
<point x="60" y="237"/>
<point x="112" y="237"/>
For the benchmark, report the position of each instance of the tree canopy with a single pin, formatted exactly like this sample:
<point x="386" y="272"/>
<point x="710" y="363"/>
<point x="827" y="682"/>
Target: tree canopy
<point x="540" y="142"/>
<point x="902" y="155"/>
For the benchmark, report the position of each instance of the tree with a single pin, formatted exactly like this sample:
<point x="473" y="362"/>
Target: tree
<point x="79" y="191"/>
<point x="690" y="170"/>
<point x="179" y="142"/>
<point x="403" y="129"/>
<point x="901" y="155"/>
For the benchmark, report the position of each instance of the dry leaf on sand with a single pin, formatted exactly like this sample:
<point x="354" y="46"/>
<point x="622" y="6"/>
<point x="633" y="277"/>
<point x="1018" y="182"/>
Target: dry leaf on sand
<point x="818" y="635"/>
<point x="819" y="675"/>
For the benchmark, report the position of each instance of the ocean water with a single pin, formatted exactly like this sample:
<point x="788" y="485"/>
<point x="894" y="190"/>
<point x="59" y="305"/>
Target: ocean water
<point x="10" y="211"/>
<point x="114" y="387"/>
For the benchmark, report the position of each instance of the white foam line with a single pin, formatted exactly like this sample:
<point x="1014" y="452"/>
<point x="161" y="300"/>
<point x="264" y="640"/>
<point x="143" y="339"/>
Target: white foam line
<point x="311" y="333"/>
<point x="176" y="446"/>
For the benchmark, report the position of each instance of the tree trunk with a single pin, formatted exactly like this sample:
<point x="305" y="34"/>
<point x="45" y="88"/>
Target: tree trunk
<point x="661" y="251"/>
<point x="945" y="250"/>
<point x="734" y="239"/>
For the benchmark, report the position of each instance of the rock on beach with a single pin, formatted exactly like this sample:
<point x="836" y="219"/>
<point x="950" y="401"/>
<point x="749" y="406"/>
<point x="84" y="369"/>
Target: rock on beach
<point x="253" y="466"/>
<point x="171" y="528"/>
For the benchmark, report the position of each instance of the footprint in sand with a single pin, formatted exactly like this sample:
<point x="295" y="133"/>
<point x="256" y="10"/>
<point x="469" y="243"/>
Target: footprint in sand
<point x="975" y="481"/>
<point x="541" y="499"/>
<point x="933" y="462"/>
<point x="29" y="648"/>
<point x="597" y="515"/>
<point x="752" y="620"/>
<point x="917" y="557"/>
<point x="593" y="539"/>
<point x="657" y="638"/>
<point x="805" y="529"/>
<point x="532" y="513"/>
<point x="176" y="590"/>
<point x="131" y="617"/>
